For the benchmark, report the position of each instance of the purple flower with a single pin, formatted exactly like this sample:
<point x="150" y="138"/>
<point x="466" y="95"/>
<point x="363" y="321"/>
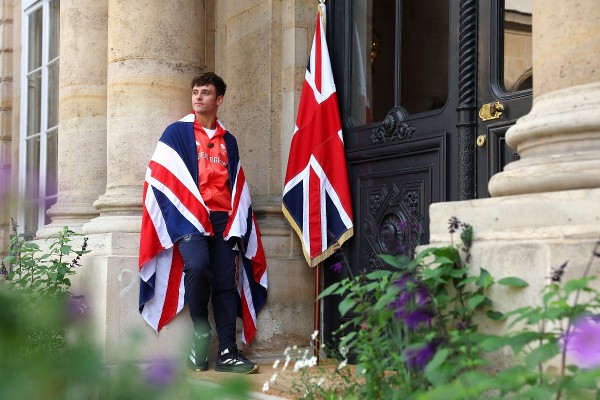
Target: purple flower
<point x="337" y="267"/>
<point x="418" y="358"/>
<point x="417" y="317"/>
<point x="453" y="224"/>
<point x="161" y="372"/>
<point x="77" y="308"/>
<point x="401" y="225"/>
<point x="583" y="342"/>
<point x="412" y="306"/>
<point x="557" y="273"/>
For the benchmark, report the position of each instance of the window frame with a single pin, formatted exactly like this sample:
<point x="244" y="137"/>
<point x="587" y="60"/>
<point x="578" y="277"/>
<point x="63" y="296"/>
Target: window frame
<point x="28" y="8"/>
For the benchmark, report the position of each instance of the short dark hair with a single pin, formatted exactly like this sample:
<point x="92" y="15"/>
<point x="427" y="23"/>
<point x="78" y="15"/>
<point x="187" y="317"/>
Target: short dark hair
<point x="210" y="78"/>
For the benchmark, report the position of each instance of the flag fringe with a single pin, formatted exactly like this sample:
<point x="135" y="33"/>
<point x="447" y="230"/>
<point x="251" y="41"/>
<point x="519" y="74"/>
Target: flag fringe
<point x="313" y="262"/>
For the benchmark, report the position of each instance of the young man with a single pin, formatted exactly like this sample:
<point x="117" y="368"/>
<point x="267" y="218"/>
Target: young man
<point x="194" y="200"/>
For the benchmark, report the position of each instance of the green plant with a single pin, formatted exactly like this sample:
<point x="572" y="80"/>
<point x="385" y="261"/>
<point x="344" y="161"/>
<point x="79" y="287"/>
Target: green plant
<point x="556" y="347"/>
<point x="414" y="333"/>
<point x="33" y="270"/>
<point x="45" y="339"/>
<point x="401" y="317"/>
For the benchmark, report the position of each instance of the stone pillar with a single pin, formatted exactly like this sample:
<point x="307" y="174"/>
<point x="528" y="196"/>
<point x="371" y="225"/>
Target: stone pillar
<point x="6" y="110"/>
<point x="545" y="206"/>
<point x="559" y="140"/>
<point x="155" y="48"/>
<point x="154" y="51"/>
<point x="82" y="114"/>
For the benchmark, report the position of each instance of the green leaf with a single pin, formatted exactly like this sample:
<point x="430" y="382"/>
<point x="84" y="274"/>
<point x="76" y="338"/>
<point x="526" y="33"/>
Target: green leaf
<point x="466" y="281"/>
<point x="395" y="261"/>
<point x="346" y="305"/>
<point x="329" y="290"/>
<point x="485" y="279"/>
<point x="513" y="281"/>
<point x="495" y="315"/>
<point x="520" y="340"/>
<point x="432" y="370"/>
<point x="347" y="338"/>
<point x="375" y="275"/>
<point x="444" y="260"/>
<point x="541" y="354"/>
<point x="576" y="284"/>
<point x="493" y="343"/>
<point x="65" y="249"/>
<point x="476" y="301"/>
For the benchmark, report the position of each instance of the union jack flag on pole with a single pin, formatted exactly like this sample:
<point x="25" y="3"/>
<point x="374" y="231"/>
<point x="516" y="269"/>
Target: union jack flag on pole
<point x="316" y="194"/>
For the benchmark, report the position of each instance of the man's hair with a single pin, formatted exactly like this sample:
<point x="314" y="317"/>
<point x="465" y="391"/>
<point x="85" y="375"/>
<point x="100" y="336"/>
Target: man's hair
<point x="210" y="78"/>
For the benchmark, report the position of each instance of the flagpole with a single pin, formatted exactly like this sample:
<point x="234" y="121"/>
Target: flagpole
<point x="317" y="312"/>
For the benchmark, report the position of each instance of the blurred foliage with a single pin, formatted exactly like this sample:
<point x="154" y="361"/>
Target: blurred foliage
<point x="46" y="346"/>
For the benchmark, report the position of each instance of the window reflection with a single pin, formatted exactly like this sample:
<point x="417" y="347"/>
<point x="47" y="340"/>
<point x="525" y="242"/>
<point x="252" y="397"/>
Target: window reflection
<point x="413" y="74"/>
<point x="372" y="60"/>
<point x="517" y="72"/>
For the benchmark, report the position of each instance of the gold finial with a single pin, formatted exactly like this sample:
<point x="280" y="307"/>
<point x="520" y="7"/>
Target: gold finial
<point x="321" y="9"/>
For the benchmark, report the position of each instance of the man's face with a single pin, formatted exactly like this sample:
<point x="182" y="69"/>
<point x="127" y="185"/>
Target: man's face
<point x="205" y="100"/>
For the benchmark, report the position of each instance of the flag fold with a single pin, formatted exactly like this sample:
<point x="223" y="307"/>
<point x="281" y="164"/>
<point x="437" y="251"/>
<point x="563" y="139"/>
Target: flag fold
<point x="172" y="208"/>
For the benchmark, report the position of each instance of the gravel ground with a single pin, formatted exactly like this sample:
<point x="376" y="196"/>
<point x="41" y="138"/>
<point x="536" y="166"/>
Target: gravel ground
<point x="285" y="385"/>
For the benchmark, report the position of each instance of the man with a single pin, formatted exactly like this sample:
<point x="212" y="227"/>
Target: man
<point x="197" y="206"/>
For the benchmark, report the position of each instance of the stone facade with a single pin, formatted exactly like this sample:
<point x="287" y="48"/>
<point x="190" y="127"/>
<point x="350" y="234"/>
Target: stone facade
<point x="125" y="69"/>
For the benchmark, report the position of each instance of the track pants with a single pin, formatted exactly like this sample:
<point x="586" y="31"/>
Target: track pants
<point x="209" y="265"/>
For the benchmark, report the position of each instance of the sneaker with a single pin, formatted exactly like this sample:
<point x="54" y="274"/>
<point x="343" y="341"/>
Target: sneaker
<point x="198" y="358"/>
<point x="233" y="360"/>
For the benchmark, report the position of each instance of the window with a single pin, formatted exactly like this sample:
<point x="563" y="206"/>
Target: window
<point x="517" y="45"/>
<point x="38" y="146"/>
<point x="399" y="57"/>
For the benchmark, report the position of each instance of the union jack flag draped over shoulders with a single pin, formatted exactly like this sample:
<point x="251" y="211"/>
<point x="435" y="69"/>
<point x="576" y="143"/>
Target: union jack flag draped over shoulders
<point x="172" y="208"/>
<point x="316" y="195"/>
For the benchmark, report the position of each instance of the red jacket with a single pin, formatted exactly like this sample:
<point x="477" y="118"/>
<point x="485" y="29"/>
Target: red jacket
<point x="213" y="176"/>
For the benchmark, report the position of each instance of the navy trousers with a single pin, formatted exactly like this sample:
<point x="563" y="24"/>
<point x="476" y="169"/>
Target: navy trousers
<point x="209" y="266"/>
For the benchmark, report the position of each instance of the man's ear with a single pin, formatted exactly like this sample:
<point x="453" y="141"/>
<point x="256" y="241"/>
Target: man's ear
<point x="220" y="100"/>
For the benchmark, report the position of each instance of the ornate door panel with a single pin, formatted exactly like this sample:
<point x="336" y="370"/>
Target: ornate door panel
<point x="391" y="193"/>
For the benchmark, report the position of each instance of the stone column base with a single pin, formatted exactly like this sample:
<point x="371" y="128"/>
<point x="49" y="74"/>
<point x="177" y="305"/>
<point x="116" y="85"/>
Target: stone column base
<point x="525" y="236"/>
<point x="559" y="144"/>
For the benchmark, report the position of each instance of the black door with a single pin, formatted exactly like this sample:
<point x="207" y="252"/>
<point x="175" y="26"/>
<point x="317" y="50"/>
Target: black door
<point x="411" y="77"/>
<point x="504" y="82"/>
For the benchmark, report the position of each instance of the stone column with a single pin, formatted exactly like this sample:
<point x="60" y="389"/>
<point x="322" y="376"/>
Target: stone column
<point x="155" y="48"/>
<point x="6" y="110"/>
<point x="154" y="51"/>
<point x="559" y="140"/>
<point x="82" y="114"/>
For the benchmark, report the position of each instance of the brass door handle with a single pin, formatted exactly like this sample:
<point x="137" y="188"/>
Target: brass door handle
<point x="491" y="111"/>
